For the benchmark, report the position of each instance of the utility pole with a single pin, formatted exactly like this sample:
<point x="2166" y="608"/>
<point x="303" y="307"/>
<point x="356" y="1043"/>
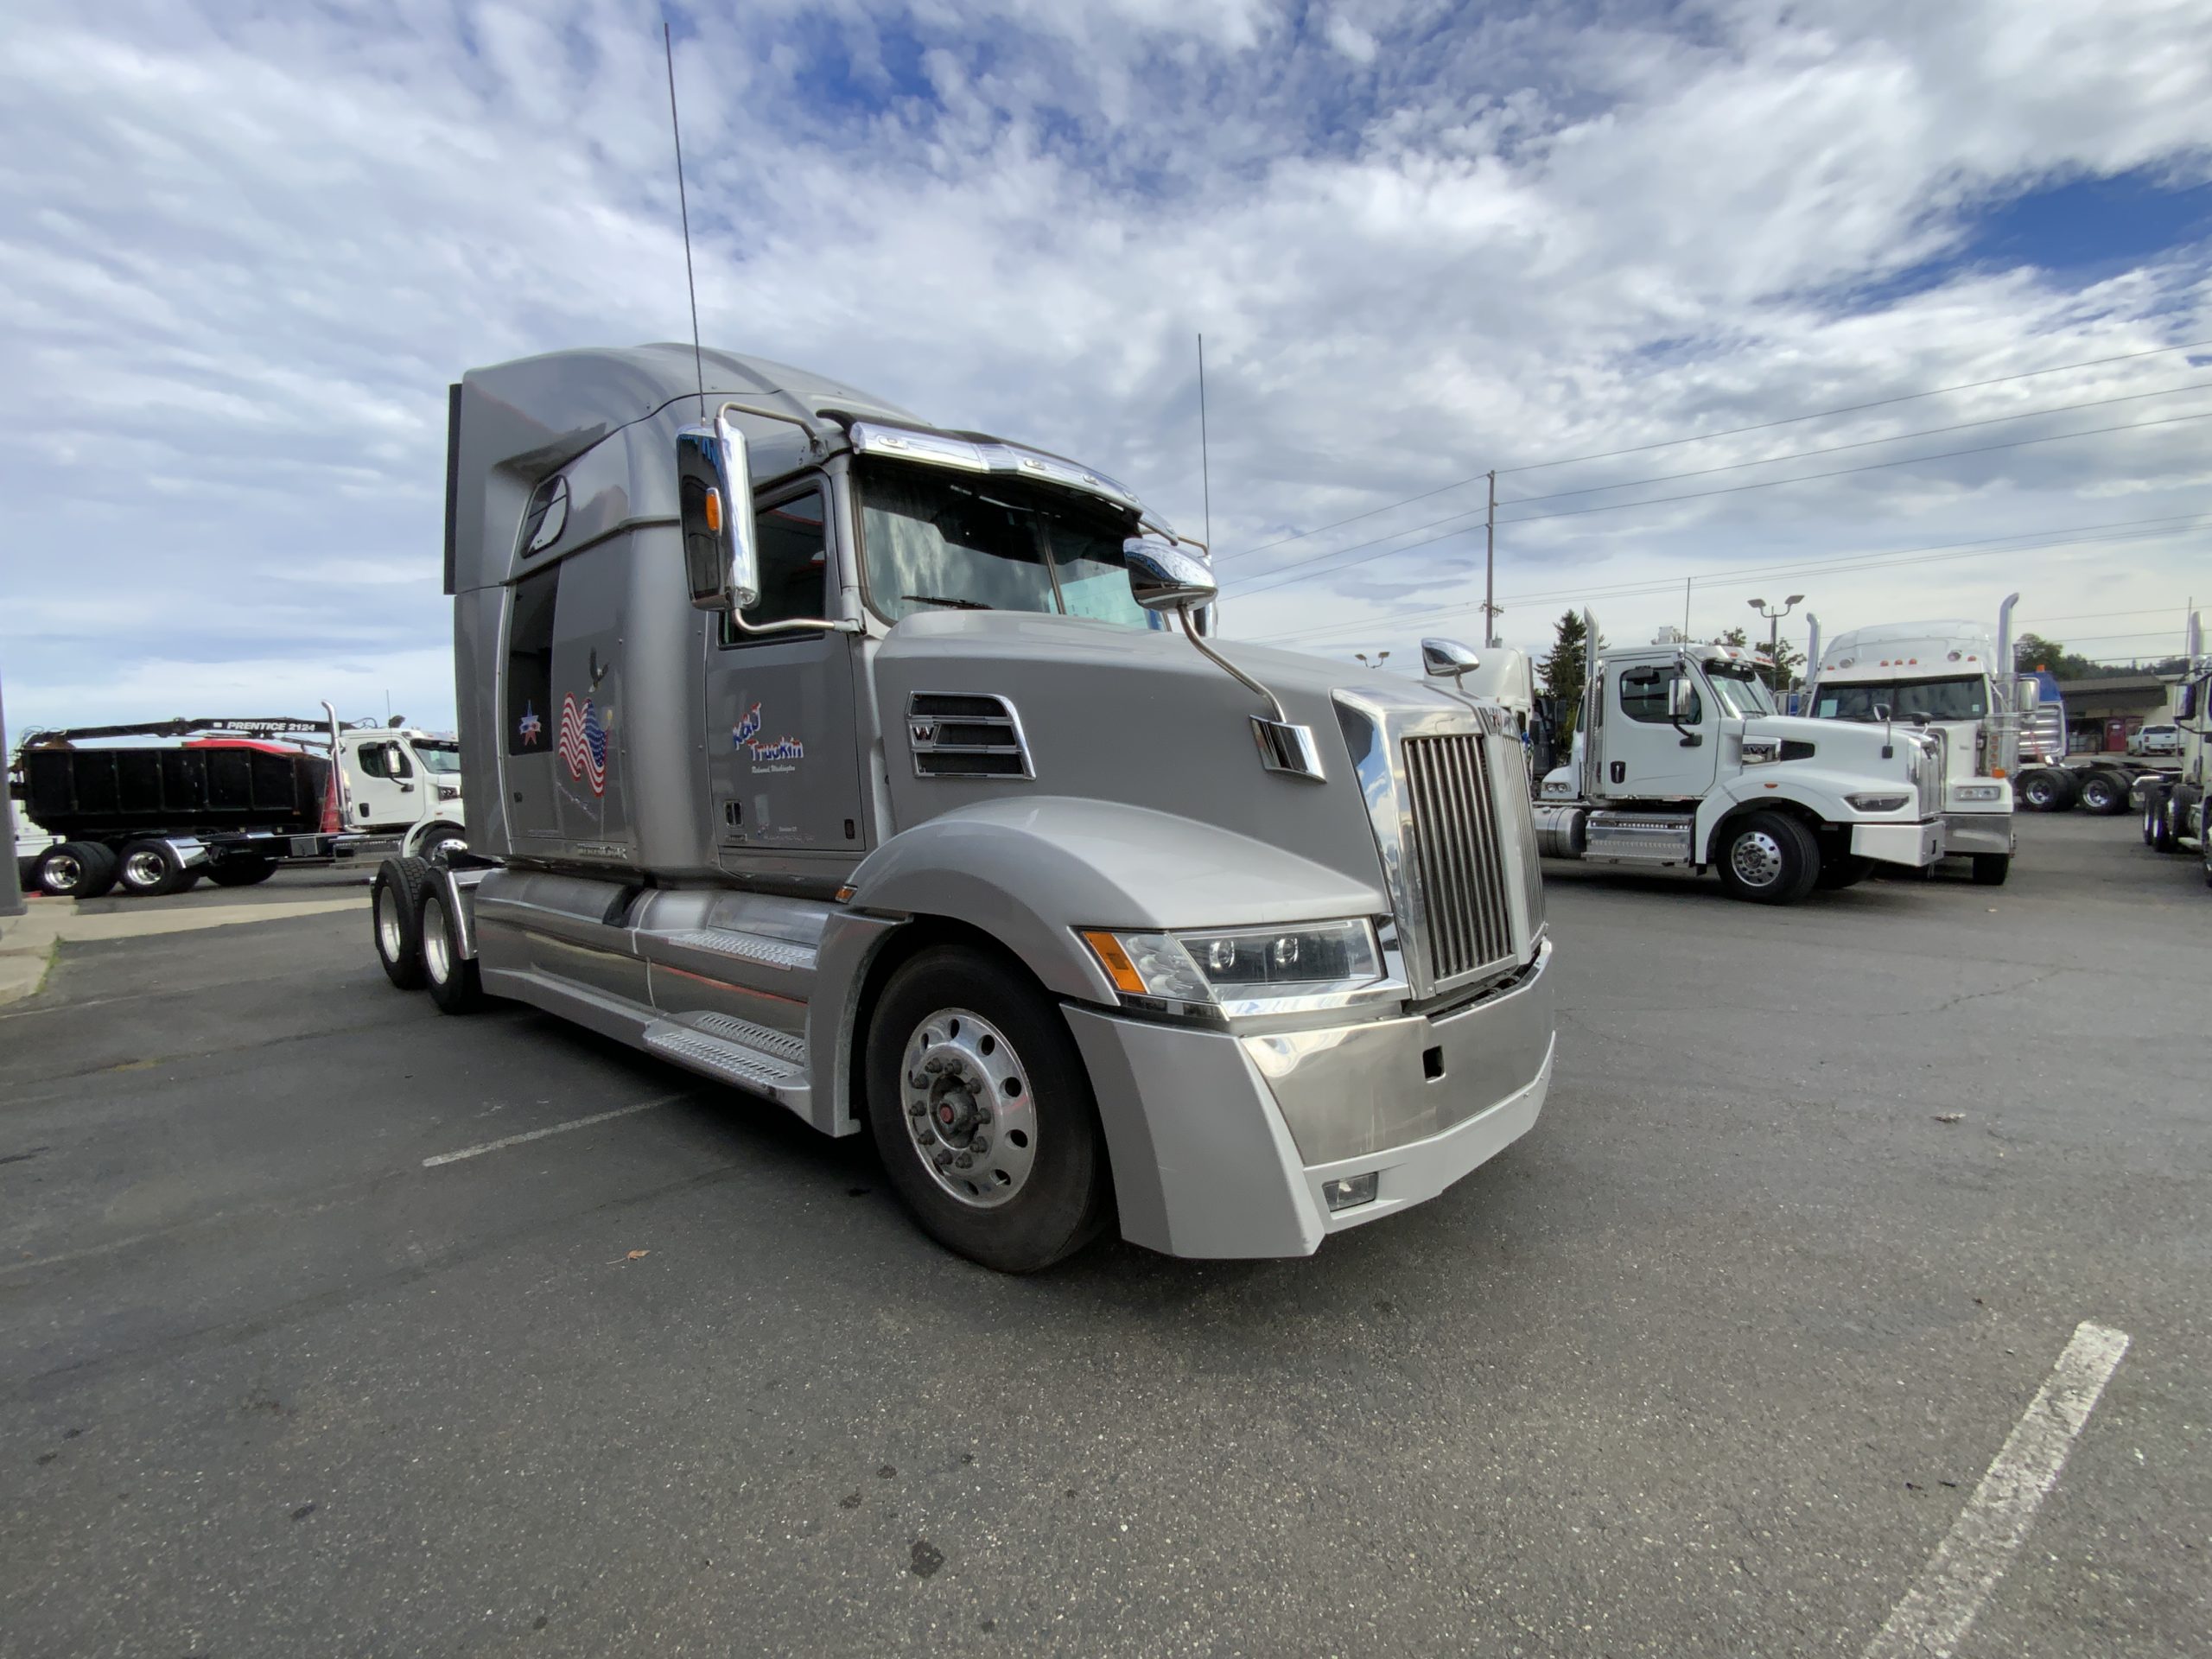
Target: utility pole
<point x="1489" y="567"/>
<point x="1686" y="581"/>
<point x="11" y="892"/>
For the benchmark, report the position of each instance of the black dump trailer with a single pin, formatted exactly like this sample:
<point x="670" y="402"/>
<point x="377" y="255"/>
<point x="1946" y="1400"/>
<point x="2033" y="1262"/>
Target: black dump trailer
<point x="155" y="819"/>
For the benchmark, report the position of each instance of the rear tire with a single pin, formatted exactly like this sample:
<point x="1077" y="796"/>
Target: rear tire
<point x="76" y="869"/>
<point x="396" y="920"/>
<point x="1990" y="869"/>
<point x="451" y="979"/>
<point x="2103" y="795"/>
<point x="2162" y="825"/>
<point x="150" y="868"/>
<point x="2045" y="789"/>
<point x="242" y="872"/>
<point x="1767" y="858"/>
<point x="984" y="1028"/>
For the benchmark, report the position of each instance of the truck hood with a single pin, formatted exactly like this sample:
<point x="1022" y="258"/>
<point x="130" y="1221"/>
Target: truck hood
<point x="1139" y="717"/>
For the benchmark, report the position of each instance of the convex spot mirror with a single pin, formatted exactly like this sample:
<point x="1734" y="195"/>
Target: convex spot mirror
<point x="2031" y="695"/>
<point x="1164" y="578"/>
<point x="713" y="482"/>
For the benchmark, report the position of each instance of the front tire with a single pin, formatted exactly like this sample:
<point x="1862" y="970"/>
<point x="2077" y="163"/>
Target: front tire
<point x="1990" y="869"/>
<point x="241" y="871"/>
<point x="396" y="920"/>
<point x="1769" y="858"/>
<point x="2162" y="826"/>
<point x="1844" y="870"/>
<point x="438" y="835"/>
<point x="968" y="1059"/>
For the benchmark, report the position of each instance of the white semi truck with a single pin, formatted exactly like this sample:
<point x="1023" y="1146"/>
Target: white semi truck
<point x="2172" y="804"/>
<point x="1680" y="759"/>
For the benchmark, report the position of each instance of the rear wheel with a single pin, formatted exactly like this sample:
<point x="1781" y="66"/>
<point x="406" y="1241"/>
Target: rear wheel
<point x="981" y="1111"/>
<point x="2103" y="794"/>
<point x="396" y="920"/>
<point x="451" y="979"/>
<point x="1990" y="869"/>
<point x="437" y="836"/>
<point x="1767" y="858"/>
<point x="2046" y="790"/>
<point x="242" y="872"/>
<point x="2162" y="825"/>
<point x="76" y="869"/>
<point x="150" y="868"/>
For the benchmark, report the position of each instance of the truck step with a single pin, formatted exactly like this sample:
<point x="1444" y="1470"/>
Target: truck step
<point x="771" y="1062"/>
<point x="746" y="947"/>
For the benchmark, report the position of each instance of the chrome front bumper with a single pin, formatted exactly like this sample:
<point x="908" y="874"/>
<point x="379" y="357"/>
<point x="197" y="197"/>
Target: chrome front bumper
<point x="1965" y="833"/>
<point x="1916" y="844"/>
<point x="1220" y="1143"/>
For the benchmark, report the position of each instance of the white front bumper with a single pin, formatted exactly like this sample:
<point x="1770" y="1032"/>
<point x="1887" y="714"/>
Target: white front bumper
<point x="1916" y="844"/>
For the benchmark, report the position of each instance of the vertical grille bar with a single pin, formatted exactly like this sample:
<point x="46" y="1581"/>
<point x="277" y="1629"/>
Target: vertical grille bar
<point x="1457" y="855"/>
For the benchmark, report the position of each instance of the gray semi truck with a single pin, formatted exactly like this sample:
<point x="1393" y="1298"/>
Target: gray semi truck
<point x="855" y="762"/>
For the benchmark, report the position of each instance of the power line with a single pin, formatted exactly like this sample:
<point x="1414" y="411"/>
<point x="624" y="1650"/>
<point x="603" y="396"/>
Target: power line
<point x="1730" y="489"/>
<point x="1725" y="432"/>
<point x="2075" y="534"/>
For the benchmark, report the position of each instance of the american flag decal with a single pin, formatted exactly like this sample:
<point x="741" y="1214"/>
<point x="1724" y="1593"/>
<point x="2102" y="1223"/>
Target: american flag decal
<point x="584" y="743"/>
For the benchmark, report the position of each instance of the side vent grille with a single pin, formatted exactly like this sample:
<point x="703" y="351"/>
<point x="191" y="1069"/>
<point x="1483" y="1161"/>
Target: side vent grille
<point x="965" y="734"/>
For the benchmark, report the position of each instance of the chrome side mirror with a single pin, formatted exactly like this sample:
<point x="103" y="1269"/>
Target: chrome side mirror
<point x="1447" y="659"/>
<point x="1164" y="578"/>
<point x="1678" y="699"/>
<point x="714" y="483"/>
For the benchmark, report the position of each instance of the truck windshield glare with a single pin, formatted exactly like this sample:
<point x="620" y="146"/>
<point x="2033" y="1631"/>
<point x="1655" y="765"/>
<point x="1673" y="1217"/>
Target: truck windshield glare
<point x="933" y="543"/>
<point x="439" y="757"/>
<point x="1741" y="692"/>
<point x="1963" y="698"/>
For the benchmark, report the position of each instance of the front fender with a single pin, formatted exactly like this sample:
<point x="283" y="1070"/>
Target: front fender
<point x="1806" y="787"/>
<point x="1029" y="872"/>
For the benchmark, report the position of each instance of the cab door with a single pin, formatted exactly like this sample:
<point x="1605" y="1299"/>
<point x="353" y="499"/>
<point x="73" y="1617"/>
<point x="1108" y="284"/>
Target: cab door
<point x="783" y="744"/>
<point x="382" y="785"/>
<point x="1650" y="754"/>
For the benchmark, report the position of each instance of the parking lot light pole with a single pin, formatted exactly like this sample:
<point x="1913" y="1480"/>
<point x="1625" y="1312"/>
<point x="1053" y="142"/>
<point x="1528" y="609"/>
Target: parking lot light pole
<point x="1774" y="632"/>
<point x="11" y="892"/>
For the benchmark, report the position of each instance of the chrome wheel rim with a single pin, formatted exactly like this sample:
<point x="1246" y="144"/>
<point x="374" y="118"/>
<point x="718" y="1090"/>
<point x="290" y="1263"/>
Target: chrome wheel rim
<point x="435" y="957"/>
<point x="388" y="935"/>
<point x="970" y="1114"/>
<point x="1756" y="858"/>
<point x="144" y="869"/>
<point x="63" y="873"/>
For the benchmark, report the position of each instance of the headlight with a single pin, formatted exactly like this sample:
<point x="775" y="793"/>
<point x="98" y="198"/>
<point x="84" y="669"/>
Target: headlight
<point x="1216" y="965"/>
<point x="1877" y="802"/>
<point x="1977" y="792"/>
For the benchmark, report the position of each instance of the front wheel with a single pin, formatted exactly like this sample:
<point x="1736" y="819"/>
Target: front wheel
<point x="241" y="870"/>
<point x="1990" y="869"/>
<point x="2162" y="826"/>
<point x="1843" y="870"/>
<point x="981" y="1111"/>
<point x="1769" y="858"/>
<point x="443" y="832"/>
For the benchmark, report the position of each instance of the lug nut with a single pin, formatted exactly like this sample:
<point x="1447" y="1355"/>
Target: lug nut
<point x="979" y="1145"/>
<point x="963" y="1160"/>
<point x="943" y="1159"/>
<point x="918" y="1079"/>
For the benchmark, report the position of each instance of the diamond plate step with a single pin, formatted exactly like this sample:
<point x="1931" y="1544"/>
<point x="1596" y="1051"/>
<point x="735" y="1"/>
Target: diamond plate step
<point x="773" y="1063"/>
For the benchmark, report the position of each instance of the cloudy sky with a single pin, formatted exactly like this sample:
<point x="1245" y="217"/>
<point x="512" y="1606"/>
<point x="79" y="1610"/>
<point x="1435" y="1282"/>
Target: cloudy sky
<point x="244" y="248"/>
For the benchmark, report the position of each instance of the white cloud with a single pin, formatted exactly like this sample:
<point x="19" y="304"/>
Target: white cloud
<point x="242" y="253"/>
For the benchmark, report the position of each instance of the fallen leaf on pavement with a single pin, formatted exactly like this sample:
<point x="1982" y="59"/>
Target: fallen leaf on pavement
<point x="634" y="1255"/>
<point x="1941" y="1117"/>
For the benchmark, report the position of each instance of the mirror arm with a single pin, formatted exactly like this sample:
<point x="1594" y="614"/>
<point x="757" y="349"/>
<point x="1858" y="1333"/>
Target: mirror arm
<point x="1228" y="667"/>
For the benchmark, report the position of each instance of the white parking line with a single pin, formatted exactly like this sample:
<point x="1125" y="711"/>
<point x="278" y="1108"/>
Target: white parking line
<point x="1937" y="1610"/>
<point x="558" y="1128"/>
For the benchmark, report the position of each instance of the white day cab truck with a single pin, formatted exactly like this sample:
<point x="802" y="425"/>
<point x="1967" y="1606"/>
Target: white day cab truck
<point x="231" y="800"/>
<point x="854" y="762"/>
<point x="1679" y="759"/>
<point x="1953" y="681"/>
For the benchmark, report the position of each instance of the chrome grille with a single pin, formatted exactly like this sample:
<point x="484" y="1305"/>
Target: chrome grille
<point x="1466" y="916"/>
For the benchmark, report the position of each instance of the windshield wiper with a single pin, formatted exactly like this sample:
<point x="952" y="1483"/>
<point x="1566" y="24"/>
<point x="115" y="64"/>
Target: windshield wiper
<point x="953" y="604"/>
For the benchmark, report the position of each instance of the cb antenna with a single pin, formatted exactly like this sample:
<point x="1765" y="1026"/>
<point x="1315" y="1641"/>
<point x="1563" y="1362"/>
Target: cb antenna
<point x="1205" y="471"/>
<point x="698" y="363"/>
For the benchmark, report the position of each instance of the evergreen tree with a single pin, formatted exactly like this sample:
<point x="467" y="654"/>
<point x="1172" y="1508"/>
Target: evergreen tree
<point x="1562" y="669"/>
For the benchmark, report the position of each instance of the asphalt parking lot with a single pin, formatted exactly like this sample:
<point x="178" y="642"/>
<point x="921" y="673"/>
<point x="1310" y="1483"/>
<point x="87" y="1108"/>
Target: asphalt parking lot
<point x="1709" y="1364"/>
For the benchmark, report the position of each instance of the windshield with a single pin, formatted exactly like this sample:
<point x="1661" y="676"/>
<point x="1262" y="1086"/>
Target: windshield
<point x="936" y="543"/>
<point x="438" y="757"/>
<point x="1741" y="692"/>
<point x="1963" y="698"/>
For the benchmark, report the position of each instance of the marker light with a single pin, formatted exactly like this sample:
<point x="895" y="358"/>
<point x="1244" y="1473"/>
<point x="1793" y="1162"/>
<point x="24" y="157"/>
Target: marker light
<point x="1347" y="1190"/>
<point x="713" y="510"/>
